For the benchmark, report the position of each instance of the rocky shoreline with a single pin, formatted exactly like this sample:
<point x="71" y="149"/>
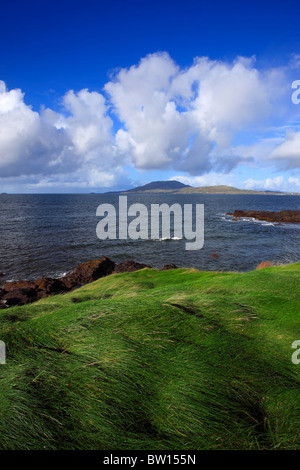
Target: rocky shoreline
<point x="24" y="292"/>
<point x="285" y="216"/>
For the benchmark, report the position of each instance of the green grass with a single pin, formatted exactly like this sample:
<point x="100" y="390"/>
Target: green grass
<point x="155" y="360"/>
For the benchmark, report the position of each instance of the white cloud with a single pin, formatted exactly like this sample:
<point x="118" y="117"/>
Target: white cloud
<point x="294" y="181"/>
<point x="75" y="144"/>
<point x="210" y="179"/>
<point x="270" y="184"/>
<point x="174" y="118"/>
<point x="88" y="126"/>
<point x="29" y="143"/>
<point x="287" y="153"/>
<point x="277" y="183"/>
<point x="169" y="118"/>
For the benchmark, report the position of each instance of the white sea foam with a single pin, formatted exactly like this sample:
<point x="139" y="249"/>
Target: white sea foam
<point x="165" y="239"/>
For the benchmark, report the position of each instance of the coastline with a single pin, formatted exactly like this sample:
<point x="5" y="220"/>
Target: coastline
<point x="23" y="292"/>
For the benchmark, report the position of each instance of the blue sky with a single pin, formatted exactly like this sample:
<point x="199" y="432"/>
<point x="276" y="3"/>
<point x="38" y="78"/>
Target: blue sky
<point x="101" y="95"/>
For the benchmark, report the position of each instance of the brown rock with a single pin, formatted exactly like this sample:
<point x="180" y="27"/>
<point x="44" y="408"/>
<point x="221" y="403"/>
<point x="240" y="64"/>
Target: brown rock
<point x="24" y="292"/>
<point x="129" y="267"/>
<point x="285" y="216"/>
<point x="2" y="302"/>
<point x="13" y="285"/>
<point x="47" y="286"/>
<point x="20" y="296"/>
<point x="88" y="272"/>
<point x="166" y="267"/>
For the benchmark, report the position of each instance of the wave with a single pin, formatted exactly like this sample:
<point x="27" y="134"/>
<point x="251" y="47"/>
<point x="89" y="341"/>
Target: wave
<point x="165" y="239"/>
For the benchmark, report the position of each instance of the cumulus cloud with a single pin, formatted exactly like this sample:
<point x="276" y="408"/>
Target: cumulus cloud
<point x="49" y="143"/>
<point x="152" y="116"/>
<point x="287" y="153"/>
<point x="88" y="126"/>
<point x="210" y="179"/>
<point x="174" y="118"/>
<point x="270" y="184"/>
<point x="294" y="181"/>
<point x="277" y="183"/>
<point x="29" y="141"/>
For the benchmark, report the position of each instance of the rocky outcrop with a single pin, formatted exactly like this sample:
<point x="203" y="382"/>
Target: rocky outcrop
<point x="285" y="216"/>
<point x="129" y="267"/>
<point x="88" y="272"/>
<point x="19" y="297"/>
<point x="48" y="286"/>
<point x="25" y="292"/>
<point x="10" y="286"/>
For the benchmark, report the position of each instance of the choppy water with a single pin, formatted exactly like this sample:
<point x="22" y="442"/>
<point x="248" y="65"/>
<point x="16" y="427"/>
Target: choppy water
<point x="50" y="234"/>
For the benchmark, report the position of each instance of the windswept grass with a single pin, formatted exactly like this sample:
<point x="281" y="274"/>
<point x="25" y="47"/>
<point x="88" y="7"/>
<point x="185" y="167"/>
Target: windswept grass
<point x="156" y="360"/>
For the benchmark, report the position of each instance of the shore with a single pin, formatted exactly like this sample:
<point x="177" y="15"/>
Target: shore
<point x="24" y="292"/>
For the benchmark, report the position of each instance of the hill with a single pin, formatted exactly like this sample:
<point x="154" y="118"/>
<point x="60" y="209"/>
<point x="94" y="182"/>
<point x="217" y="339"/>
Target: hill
<point x="176" y="359"/>
<point x="158" y="186"/>
<point x="222" y="189"/>
<point x="175" y="187"/>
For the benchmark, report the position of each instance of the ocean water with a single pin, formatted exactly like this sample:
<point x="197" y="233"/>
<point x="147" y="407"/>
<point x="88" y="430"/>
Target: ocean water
<point x="50" y="234"/>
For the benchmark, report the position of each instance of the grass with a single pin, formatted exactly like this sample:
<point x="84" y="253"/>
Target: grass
<point x="155" y="360"/>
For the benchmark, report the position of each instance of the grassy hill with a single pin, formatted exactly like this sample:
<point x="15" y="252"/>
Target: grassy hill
<point x="221" y="189"/>
<point x="175" y="187"/>
<point x="155" y="360"/>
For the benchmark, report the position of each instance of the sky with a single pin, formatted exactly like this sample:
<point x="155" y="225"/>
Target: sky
<point x="98" y="96"/>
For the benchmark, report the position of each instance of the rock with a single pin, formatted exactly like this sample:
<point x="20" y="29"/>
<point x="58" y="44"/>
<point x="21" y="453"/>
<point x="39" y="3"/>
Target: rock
<point x="285" y="216"/>
<point x="24" y="292"/>
<point x="88" y="272"/>
<point x="20" y="296"/>
<point x="13" y="285"/>
<point x="214" y="255"/>
<point x="2" y="302"/>
<point x="18" y="293"/>
<point x="46" y="286"/>
<point x="166" y="267"/>
<point x="129" y="267"/>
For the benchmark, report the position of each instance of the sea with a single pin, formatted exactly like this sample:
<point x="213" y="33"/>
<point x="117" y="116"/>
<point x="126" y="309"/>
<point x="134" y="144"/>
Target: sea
<point x="50" y="234"/>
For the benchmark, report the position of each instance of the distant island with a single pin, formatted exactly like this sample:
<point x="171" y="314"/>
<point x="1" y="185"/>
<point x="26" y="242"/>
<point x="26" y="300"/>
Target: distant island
<point x="175" y="187"/>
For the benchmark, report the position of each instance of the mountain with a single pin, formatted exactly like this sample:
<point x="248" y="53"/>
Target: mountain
<point x="158" y="186"/>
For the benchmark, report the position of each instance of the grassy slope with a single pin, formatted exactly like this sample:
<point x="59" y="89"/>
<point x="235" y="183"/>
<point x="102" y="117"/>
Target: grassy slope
<point x="155" y="360"/>
<point x="221" y="189"/>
